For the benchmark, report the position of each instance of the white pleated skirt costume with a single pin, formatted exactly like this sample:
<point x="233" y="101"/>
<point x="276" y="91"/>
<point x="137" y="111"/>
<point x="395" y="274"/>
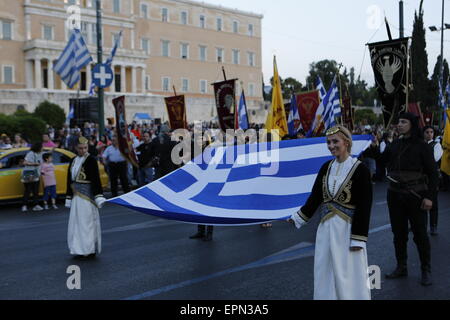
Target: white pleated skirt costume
<point x="339" y="274"/>
<point x="84" y="231"/>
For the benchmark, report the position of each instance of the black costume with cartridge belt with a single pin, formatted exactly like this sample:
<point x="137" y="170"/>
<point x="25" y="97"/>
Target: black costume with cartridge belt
<point x="413" y="177"/>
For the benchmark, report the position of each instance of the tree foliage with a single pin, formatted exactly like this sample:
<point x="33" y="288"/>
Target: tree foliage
<point x="51" y="113"/>
<point x="30" y="126"/>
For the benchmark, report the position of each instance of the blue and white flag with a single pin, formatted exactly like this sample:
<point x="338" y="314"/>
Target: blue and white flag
<point x="293" y="117"/>
<point x="321" y="88"/>
<point x="240" y="185"/>
<point x="332" y="106"/>
<point x="71" y="114"/>
<point x="108" y="61"/>
<point x="243" y="115"/>
<point x="73" y="58"/>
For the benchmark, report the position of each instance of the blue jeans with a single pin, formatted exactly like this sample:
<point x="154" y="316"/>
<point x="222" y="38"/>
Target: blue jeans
<point x="49" y="193"/>
<point x="145" y="176"/>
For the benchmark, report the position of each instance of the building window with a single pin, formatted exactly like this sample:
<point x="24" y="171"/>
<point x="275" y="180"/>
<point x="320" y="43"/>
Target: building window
<point x="47" y="32"/>
<point x="94" y="33"/>
<point x="116" y="6"/>
<point x="251" y="59"/>
<point x="6" y="31"/>
<point x="250" y="30"/>
<point x="220" y="56"/>
<point x="73" y="2"/>
<point x="144" y="10"/>
<point x="145" y="45"/>
<point x="203" y="86"/>
<point x="165" y="14"/>
<point x="235" y="27"/>
<point x="236" y="54"/>
<point x="165" y="48"/>
<point x="184" y="85"/>
<point x="184" y="48"/>
<point x="8" y="74"/>
<point x="202" y="53"/>
<point x="147" y="82"/>
<point x="85" y="31"/>
<point x="184" y="17"/>
<point x="115" y="37"/>
<point x="219" y="24"/>
<point x="202" y="22"/>
<point x="251" y="90"/>
<point x="165" y="84"/>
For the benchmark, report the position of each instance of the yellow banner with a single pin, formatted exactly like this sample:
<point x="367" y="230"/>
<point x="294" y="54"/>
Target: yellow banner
<point x="445" y="162"/>
<point x="276" y="119"/>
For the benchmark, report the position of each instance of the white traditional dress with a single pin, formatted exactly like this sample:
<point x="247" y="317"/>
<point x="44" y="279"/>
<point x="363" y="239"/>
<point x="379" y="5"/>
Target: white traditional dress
<point x="84" y="231"/>
<point x="339" y="273"/>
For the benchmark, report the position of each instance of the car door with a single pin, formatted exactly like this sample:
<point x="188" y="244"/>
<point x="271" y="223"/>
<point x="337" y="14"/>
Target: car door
<point x="10" y="185"/>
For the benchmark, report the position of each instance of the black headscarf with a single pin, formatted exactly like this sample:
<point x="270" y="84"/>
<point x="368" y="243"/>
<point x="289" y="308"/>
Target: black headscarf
<point x="416" y="132"/>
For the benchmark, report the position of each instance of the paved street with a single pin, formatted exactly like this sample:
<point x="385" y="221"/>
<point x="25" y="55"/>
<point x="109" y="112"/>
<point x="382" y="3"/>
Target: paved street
<point x="148" y="258"/>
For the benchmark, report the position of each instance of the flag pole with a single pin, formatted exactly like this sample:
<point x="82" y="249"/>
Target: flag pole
<point x="101" y="105"/>
<point x="340" y="91"/>
<point x="174" y="91"/>
<point x="407" y="77"/>
<point x="224" y="74"/>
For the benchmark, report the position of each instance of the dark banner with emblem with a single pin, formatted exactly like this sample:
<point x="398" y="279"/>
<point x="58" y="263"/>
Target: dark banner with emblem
<point x="308" y="103"/>
<point x="390" y="65"/>
<point x="176" y="109"/>
<point x="347" y="110"/>
<point x="225" y="94"/>
<point x="123" y="135"/>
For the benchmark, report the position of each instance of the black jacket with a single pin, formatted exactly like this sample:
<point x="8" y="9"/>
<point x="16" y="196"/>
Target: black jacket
<point x="89" y="173"/>
<point x="356" y="194"/>
<point x="412" y="155"/>
<point x="147" y="153"/>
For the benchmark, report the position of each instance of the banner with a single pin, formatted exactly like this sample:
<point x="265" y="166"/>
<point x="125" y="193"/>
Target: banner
<point x="415" y="109"/>
<point x="428" y="118"/>
<point x="225" y="93"/>
<point x="390" y="65"/>
<point x="176" y="109"/>
<point x="276" y="119"/>
<point x="308" y="103"/>
<point x="445" y="161"/>
<point x="123" y="135"/>
<point x="347" y="110"/>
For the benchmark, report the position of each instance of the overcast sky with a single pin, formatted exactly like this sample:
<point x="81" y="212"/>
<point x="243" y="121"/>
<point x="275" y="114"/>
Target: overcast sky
<point x="300" y="32"/>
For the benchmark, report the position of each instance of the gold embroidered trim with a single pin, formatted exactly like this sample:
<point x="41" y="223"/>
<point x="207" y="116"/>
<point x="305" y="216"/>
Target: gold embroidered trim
<point x="76" y="193"/>
<point x="301" y="215"/>
<point x="360" y="238"/>
<point x="333" y="212"/>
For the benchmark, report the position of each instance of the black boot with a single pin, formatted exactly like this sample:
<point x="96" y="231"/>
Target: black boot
<point x="400" y="272"/>
<point x="433" y="230"/>
<point x="426" y="278"/>
<point x="198" y="235"/>
<point x="208" y="237"/>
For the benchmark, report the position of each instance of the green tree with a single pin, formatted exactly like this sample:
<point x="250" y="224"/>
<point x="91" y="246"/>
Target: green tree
<point x="366" y="116"/>
<point x="421" y="84"/>
<point x="31" y="127"/>
<point x="287" y="86"/>
<point x="435" y="79"/>
<point x="51" y="113"/>
<point x="326" y="69"/>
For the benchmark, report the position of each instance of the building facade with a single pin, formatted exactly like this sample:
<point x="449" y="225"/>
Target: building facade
<point x="165" y="44"/>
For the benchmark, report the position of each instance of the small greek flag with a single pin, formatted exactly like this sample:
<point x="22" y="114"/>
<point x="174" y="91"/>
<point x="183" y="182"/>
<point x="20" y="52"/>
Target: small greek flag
<point x="293" y="117"/>
<point x="332" y="106"/>
<point x="73" y="58"/>
<point x="243" y="116"/>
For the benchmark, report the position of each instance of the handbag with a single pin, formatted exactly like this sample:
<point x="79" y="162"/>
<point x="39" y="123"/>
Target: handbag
<point x="30" y="175"/>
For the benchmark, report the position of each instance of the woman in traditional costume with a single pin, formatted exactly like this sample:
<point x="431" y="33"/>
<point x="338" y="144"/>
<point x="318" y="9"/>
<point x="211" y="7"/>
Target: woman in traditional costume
<point x="84" y="198"/>
<point x="342" y="195"/>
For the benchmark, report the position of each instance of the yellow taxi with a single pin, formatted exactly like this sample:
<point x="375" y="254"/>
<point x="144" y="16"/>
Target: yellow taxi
<point x="11" y="166"/>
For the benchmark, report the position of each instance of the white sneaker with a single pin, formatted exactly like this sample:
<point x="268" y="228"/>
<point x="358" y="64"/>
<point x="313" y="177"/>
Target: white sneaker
<point x="24" y="209"/>
<point x="55" y="207"/>
<point x="46" y="207"/>
<point x="38" y="208"/>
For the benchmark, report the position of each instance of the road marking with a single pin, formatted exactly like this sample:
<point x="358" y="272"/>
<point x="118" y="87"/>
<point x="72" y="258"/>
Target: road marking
<point x="144" y="225"/>
<point x="297" y="252"/>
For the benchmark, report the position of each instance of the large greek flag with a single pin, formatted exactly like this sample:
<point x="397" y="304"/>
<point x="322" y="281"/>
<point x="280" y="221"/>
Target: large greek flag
<point x="241" y="185"/>
<point x="73" y="58"/>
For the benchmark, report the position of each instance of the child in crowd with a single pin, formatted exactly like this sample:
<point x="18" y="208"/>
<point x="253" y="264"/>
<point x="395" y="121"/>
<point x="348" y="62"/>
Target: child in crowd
<point x="48" y="175"/>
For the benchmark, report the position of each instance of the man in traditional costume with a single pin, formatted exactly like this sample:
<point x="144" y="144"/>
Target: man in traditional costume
<point x="84" y="198"/>
<point x="342" y="194"/>
<point x="413" y="177"/>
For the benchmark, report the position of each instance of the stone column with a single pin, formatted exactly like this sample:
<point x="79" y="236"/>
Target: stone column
<point x="133" y="80"/>
<point x="51" y="83"/>
<point x="123" y="78"/>
<point x="37" y="74"/>
<point x="29" y="73"/>
<point x="143" y="77"/>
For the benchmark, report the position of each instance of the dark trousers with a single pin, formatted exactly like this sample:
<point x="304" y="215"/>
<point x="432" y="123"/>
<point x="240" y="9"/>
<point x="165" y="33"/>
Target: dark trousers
<point x="434" y="212"/>
<point x="31" y="187"/>
<point x="404" y="208"/>
<point x="118" y="170"/>
<point x="208" y="229"/>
